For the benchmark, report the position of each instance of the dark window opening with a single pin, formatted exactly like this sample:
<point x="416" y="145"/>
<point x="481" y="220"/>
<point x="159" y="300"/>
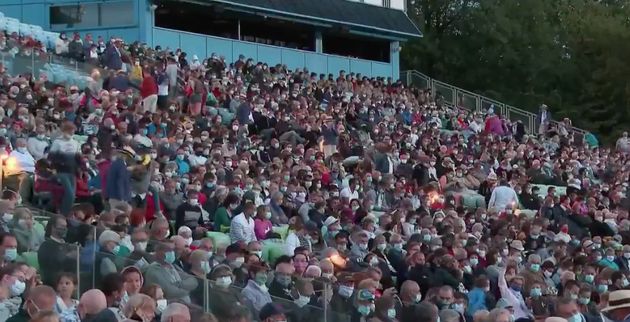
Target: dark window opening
<point x="92" y="15"/>
<point x="343" y="43"/>
<point x="216" y="21"/>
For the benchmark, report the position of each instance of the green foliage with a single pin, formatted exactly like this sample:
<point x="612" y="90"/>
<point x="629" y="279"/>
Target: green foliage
<point x="569" y="54"/>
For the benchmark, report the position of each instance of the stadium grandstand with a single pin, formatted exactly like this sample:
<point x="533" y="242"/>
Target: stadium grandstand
<point x="267" y="161"/>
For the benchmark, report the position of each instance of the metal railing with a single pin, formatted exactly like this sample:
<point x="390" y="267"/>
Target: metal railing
<point x="462" y="98"/>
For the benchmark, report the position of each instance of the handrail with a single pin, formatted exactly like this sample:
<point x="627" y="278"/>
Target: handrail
<point x="458" y="95"/>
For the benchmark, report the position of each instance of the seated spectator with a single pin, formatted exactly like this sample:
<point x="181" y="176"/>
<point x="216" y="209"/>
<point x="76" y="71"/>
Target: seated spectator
<point x="225" y="297"/>
<point x="139" y="307"/>
<point x="39" y="298"/>
<point x="29" y="237"/>
<point x="66" y="286"/>
<point x="256" y="291"/>
<point x="133" y="282"/>
<point x="91" y="304"/>
<point x="174" y="282"/>
<point x="54" y="255"/>
<point x="176" y="312"/>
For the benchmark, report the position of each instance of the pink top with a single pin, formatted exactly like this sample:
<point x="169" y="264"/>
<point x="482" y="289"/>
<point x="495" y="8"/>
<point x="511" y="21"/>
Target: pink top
<point x="261" y="228"/>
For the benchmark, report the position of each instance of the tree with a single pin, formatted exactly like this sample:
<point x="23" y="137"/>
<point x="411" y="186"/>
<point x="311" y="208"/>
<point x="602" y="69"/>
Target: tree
<point x="568" y="54"/>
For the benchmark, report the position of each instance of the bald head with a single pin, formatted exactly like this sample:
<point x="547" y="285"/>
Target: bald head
<point x="92" y="302"/>
<point x="408" y="291"/>
<point x="40" y="298"/>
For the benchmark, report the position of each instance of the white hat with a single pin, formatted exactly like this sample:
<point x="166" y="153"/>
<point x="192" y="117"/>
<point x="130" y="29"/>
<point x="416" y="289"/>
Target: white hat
<point x="107" y="236"/>
<point x="617" y="300"/>
<point x="330" y="220"/>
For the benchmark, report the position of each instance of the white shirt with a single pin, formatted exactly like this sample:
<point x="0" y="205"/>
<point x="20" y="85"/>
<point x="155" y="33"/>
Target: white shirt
<point x="502" y="196"/>
<point x="348" y="193"/>
<point x="24" y="163"/>
<point x="143" y="140"/>
<point x="196" y="160"/>
<point x="37" y="147"/>
<point x="473" y="126"/>
<point x="291" y="243"/>
<point x="242" y="228"/>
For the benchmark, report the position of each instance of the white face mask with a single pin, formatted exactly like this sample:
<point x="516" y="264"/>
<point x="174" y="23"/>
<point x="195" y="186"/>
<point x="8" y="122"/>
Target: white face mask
<point x="161" y="305"/>
<point x="188" y="241"/>
<point x="141" y="246"/>
<point x="17" y="288"/>
<point x="224" y="282"/>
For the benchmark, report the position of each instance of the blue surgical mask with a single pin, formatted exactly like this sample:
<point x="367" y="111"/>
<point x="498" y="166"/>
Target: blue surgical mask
<point x="534" y="267"/>
<point x="535" y="292"/>
<point x="602" y="288"/>
<point x="10" y="254"/>
<point x="169" y="257"/>
<point x="589" y="278"/>
<point x="364" y="310"/>
<point x="577" y="317"/>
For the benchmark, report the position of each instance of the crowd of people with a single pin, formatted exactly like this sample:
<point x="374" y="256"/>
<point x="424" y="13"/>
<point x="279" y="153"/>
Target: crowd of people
<point x="238" y="191"/>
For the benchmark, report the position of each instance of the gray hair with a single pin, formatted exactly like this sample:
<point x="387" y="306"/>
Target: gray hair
<point x="173" y="310"/>
<point x="449" y="315"/>
<point x="534" y="257"/>
<point x="493" y="316"/>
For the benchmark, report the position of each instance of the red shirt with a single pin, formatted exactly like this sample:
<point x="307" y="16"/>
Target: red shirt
<point x="148" y="86"/>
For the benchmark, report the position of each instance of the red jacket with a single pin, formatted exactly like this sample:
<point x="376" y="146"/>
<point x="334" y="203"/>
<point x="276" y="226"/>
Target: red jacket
<point x="150" y="209"/>
<point x="148" y="86"/>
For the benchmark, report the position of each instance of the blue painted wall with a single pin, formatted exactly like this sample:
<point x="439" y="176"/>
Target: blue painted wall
<point x="37" y="12"/>
<point x="203" y="46"/>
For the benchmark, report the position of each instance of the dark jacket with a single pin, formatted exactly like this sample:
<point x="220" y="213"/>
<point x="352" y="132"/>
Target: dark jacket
<point x="21" y="316"/>
<point x="279" y="291"/>
<point x="188" y="215"/>
<point x="113" y="59"/>
<point x="421" y="175"/>
<point x="443" y="277"/>
<point x="55" y="258"/>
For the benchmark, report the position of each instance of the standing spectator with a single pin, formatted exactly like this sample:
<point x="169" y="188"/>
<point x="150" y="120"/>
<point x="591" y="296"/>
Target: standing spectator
<point x="119" y="178"/>
<point x="113" y="56"/>
<point x="171" y="71"/>
<point x="149" y="91"/>
<point x="61" y="44"/>
<point x="65" y="157"/>
<point x="503" y="197"/>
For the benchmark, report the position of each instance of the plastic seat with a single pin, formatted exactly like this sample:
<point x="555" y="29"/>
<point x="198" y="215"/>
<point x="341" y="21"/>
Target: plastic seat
<point x="30" y="258"/>
<point x="12" y="27"/>
<point x="272" y="250"/>
<point x="219" y="239"/>
<point x="283" y="230"/>
<point x="25" y="29"/>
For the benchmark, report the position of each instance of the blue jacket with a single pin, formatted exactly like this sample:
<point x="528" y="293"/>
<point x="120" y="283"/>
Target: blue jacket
<point x="476" y="300"/>
<point x="118" y="181"/>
